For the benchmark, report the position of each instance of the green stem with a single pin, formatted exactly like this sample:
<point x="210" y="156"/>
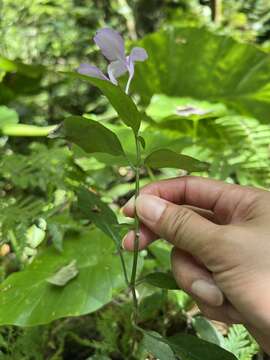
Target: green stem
<point x="137" y="229"/>
<point x="27" y="130"/>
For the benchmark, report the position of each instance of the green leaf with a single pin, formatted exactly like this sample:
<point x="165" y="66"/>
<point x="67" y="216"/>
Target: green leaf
<point x="38" y="302"/>
<point x="189" y="347"/>
<point x="165" y="158"/>
<point x="122" y="103"/>
<point x="91" y="136"/>
<point x="161" y="280"/>
<point x="164" y="107"/>
<point x="64" y="275"/>
<point x="8" y="117"/>
<point x="100" y="213"/>
<point x="159" y="349"/>
<point x="207" y="331"/>
<point x="197" y="63"/>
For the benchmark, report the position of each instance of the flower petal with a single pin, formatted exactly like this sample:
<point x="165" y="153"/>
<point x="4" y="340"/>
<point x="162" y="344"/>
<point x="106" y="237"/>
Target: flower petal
<point x="91" y="70"/>
<point x="111" y="44"/>
<point x="138" y="54"/>
<point x="116" y="69"/>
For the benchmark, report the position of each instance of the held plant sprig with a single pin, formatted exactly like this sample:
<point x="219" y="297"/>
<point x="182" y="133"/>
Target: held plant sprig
<point x="94" y="137"/>
<point x="112" y="47"/>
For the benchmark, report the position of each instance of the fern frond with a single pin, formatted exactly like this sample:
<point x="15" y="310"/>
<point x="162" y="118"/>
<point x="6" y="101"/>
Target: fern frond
<point x="242" y="146"/>
<point x="241" y="343"/>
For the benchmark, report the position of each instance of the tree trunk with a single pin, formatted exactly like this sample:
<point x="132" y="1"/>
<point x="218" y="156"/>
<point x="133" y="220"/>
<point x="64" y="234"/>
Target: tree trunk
<point x="216" y="8"/>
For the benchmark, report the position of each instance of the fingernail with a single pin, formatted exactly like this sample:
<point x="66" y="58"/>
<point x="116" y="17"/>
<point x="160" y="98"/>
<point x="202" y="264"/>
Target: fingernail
<point x="150" y="208"/>
<point x="207" y="292"/>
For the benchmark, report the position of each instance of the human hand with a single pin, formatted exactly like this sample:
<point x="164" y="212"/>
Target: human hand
<point x="221" y="238"/>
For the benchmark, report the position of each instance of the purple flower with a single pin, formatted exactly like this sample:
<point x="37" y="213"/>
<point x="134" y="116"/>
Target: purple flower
<point x="112" y="47"/>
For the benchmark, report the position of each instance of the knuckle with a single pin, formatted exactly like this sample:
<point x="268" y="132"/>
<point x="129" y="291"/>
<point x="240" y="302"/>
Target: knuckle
<point x="176" y="223"/>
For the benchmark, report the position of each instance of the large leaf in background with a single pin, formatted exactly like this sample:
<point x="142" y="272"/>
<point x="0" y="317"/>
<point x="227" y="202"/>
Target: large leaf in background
<point x="91" y="136"/>
<point x="165" y="158"/>
<point x="26" y="297"/>
<point x="163" y="107"/>
<point x="122" y="103"/>
<point x="194" y="62"/>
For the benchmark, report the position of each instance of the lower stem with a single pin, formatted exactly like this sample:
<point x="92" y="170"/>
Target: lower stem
<point x="137" y="231"/>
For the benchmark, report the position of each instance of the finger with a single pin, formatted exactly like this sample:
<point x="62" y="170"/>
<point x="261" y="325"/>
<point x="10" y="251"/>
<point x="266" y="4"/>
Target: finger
<point x="147" y="236"/>
<point x="261" y="337"/>
<point x="145" y="239"/>
<point x="195" y="279"/>
<point x="179" y="225"/>
<point x="225" y="313"/>
<point x="222" y="199"/>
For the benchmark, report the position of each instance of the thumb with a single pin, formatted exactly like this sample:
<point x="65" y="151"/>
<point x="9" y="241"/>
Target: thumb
<point x="181" y="226"/>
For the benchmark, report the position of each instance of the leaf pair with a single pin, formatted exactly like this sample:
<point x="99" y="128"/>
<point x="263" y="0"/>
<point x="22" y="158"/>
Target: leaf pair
<point x="93" y="137"/>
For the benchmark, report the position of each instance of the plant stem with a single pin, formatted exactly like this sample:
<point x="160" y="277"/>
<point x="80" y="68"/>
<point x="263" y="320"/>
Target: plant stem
<point x="137" y="229"/>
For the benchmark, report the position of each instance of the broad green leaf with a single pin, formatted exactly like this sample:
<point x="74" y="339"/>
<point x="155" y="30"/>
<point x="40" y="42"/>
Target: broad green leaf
<point x="96" y="210"/>
<point x="195" y="62"/>
<point x="189" y="347"/>
<point x="207" y="331"/>
<point x="64" y="275"/>
<point x="161" y="280"/>
<point x="91" y="136"/>
<point x="164" y="107"/>
<point x="165" y="158"/>
<point x="159" y="349"/>
<point x="7" y="117"/>
<point x="122" y="103"/>
<point x="38" y="302"/>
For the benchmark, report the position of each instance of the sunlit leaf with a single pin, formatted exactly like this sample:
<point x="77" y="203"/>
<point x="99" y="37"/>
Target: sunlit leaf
<point x="8" y="116"/>
<point x="197" y="63"/>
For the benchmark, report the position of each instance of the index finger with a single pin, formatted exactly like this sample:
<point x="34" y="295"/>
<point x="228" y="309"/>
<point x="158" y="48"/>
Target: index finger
<point x="221" y="198"/>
